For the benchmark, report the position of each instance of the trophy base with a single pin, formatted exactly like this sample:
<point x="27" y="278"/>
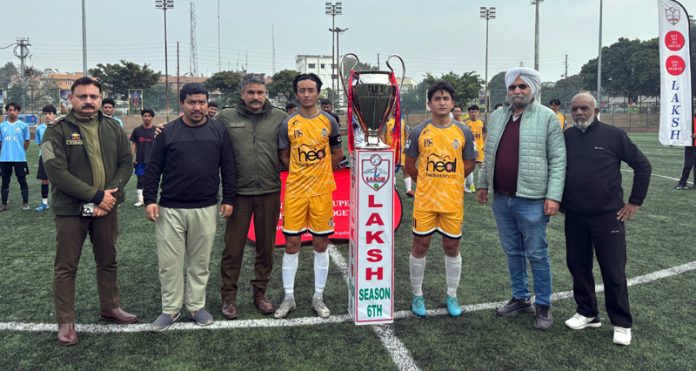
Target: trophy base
<point x="372" y="142"/>
<point x="379" y="145"/>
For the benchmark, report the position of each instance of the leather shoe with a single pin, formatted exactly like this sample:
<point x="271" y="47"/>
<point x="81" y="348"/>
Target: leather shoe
<point x="262" y="303"/>
<point x="66" y="334"/>
<point x="119" y="316"/>
<point x="229" y="309"/>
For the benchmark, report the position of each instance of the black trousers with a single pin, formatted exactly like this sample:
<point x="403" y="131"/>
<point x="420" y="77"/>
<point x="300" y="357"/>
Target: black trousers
<point x="689" y="159"/>
<point x="21" y="170"/>
<point x="605" y="236"/>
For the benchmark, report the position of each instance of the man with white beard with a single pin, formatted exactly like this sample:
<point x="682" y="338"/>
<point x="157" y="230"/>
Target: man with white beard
<point x="524" y="164"/>
<point x="595" y="214"/>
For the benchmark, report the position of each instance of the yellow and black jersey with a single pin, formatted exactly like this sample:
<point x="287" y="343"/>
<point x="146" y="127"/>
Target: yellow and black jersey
<point x="478" y="128"/>
<point x="309" y="140"/>
<point x="388" y="136"/>
<point x="561" y="119"/>
<point x="440" y="154"/>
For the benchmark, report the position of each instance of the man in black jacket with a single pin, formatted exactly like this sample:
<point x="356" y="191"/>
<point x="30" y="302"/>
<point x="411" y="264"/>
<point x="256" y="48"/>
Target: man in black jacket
<point x="595" y="214"/>
<point x="189" y="159"/>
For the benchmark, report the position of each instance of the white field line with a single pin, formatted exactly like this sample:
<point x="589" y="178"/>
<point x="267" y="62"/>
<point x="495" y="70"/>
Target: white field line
<point x="313" y="321"/>
<point x="397" y="349"/>
<point x="657" y="175"/>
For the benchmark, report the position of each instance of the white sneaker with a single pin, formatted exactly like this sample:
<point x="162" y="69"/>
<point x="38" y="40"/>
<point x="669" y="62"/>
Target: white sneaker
<point x="319" y="306"/>
<point x="287" y="306"/>
<point x="579" y="322"/>
<point x="140" y="202"/>
<point x="622" y="335"/>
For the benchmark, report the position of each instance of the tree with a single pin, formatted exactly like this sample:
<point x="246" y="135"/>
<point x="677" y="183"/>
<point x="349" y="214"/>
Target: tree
<point x="466" y="86"/>
<point x="281" y="88"/>
<point x="7" y="73"/>
<point x="414" y="100"/>
<point x="629" y="68"/>
<point x="229" y="84"/>
<point x="497" y="89"/>
<point x="563" y="90"/>
<point x="116" y="79"/>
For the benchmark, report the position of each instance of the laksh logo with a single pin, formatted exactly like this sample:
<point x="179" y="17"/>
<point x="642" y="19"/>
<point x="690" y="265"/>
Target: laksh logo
<point x="375" y="171"/>
<point x="672" y="15"/>
<point x="437" y="163"/>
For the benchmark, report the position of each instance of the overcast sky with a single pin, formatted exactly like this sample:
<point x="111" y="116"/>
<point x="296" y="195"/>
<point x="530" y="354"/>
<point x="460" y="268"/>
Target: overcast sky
<point x="432" y="36"/>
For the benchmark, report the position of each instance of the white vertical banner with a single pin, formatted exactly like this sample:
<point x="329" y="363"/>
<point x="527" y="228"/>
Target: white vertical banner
<point x="371" y="262"/>
<point x="675" y="75"/>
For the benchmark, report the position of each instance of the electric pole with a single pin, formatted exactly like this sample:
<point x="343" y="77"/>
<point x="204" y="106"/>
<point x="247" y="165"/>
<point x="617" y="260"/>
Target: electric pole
<point x="21" y="51"/>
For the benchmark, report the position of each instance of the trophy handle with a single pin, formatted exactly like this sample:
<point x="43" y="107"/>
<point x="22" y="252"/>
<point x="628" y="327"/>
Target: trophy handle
<point x="403" y="67"/>
<point x="340" y="69"/>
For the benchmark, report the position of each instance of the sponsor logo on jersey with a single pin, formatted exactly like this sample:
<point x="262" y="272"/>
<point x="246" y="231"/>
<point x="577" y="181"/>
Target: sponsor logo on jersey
<point x="307" y="154"/>
<point x="440" y="164"/>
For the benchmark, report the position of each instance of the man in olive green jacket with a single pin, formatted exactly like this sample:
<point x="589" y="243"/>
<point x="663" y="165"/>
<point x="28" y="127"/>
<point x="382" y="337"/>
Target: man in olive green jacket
<point x="253" y="126"/>
<point x="88" y="161"/>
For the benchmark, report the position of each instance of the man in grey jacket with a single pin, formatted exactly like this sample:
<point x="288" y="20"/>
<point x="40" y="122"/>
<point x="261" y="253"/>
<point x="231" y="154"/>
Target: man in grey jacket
<point x="525" y="161"/>
<point x="253" y="125"/>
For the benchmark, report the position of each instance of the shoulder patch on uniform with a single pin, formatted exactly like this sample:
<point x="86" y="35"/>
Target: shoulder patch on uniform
<point x="57" y="121"/>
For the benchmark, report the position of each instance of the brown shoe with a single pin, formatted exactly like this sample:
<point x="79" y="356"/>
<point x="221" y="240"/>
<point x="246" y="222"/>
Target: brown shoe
<point x="262" y="303"/>
<point x="66" y="334"/>
<point x="229" y="309"/>
<point x="119" y="316"/>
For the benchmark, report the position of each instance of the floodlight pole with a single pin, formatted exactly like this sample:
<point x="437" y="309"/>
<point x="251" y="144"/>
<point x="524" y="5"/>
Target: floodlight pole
<point x="84" y="40"/>
<point x="487" y="14"/>
<point x="333" y="9"/>
<point x="599" y="60"/>
<point x="536" y="33"/>
<point x="164" y="5"/>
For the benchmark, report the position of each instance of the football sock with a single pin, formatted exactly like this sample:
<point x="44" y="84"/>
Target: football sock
<point x="417" y="272"/>
<point x="321" y="271"/>
<point x="407" y="183"/>
<point x="453" y="272"/>
<point x="469" y="180"/>
<point x="44" y="192"/>
<point x="289" y="270"/>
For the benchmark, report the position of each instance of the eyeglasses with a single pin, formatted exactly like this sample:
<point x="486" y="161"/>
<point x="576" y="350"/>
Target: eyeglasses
<point x="520" y="86"/>
<point x="90" y="96"/>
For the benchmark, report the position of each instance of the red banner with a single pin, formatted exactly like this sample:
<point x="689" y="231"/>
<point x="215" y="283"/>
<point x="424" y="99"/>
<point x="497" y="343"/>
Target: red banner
<point x="341" y="206"/>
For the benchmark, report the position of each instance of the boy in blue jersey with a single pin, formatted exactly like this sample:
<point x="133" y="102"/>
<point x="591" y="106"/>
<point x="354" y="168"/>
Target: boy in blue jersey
<point x="49" y="114"/>
<point x="108" y="107"/>
<point x="14" y="141"/>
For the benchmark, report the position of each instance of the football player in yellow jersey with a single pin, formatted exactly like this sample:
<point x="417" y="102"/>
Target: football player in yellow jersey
<point x="478" y="128"/>
<point x="555" y="106"/>
<point x="387" y="136"/>
<point x="309" y="144"/>
<point x="439" y="154"/>
<point x="458" y="114"/>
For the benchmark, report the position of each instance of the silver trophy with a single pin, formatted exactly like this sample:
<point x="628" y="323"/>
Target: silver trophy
<point x="373" y="95"/>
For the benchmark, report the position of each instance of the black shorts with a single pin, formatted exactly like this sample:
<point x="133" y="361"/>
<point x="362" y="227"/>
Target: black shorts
<point x="41" y="173"/>
<point x="20" y="169"/>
